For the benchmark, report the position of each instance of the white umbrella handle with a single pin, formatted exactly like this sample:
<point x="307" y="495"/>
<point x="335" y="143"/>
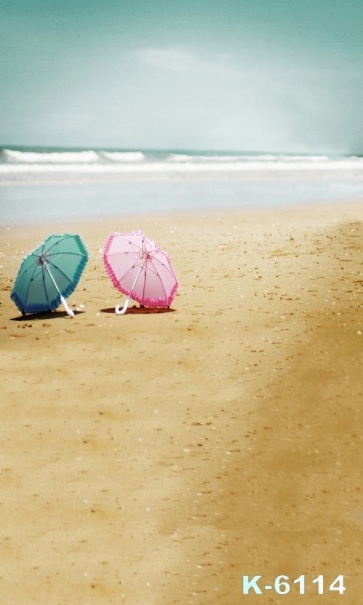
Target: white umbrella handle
<point x="65" y="305"/>
<point x="121" y="310"/>
<point x="118" y="309"/>
<point x="64" y="302"/>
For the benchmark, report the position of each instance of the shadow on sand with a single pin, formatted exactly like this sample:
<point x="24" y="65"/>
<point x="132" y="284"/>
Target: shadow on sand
<point x="141" y="310"/>
<point x="41" y="316"/>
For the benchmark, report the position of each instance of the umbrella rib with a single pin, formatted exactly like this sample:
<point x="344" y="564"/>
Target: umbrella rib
<point x="45" y="289"/>
<point x="164" y="265"/>
<point x="150" y="262"/>
<point x="64" y="237"/>
<point x="158" y="275"/>
<point x="60" y="270"/>
<point x="68" y="253"/>
<point x="119" y="279"/>
<point x="135" y="280"/>
<point x="28" y="288"/>
<point x="133" y="252"/>
<point x="145" y="274"/>
<point x="43" y="280"/>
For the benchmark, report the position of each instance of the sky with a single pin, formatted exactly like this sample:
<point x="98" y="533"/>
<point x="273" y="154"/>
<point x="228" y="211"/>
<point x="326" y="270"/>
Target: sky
<point x="244" y="75"/>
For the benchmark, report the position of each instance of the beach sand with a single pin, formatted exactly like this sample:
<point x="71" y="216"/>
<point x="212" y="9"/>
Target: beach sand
<point x="158" y="457"/>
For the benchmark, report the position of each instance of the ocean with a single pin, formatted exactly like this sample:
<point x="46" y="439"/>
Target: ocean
<point x="41" y="185"/>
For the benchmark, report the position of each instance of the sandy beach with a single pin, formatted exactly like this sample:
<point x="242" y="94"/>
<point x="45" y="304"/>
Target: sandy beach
<point x="156" y="458"/>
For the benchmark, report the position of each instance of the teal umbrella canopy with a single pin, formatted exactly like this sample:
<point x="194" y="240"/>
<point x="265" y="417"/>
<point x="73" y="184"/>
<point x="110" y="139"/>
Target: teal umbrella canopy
<point x="49" y="274"/>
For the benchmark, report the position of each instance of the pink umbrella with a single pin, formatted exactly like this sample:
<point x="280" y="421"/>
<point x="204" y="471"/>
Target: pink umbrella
<point x="140" y="270"/>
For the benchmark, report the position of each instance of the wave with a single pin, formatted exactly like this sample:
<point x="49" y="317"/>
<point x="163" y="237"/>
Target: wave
<point x="91" y="156"/>
<point x="52" y="157"/>
<point x="70" y="157"/>
<point x="181" y="167"/>
<point x="123" y="156"/>
<point x="35" y="163"/>
<point x="179" y="157"/>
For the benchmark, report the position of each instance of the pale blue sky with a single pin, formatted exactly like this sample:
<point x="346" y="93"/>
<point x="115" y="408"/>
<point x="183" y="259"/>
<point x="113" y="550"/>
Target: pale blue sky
<point x="261" y="75"/>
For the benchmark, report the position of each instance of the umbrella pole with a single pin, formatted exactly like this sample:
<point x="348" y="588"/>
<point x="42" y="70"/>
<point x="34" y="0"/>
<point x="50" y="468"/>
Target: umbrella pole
<point x="64" y="302"/>
<point x="118" y="309"/>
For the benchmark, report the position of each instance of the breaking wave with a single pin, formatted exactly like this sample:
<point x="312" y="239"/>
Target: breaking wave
<point x="39" y="163"/>
<point x="52" y="157"/>
<point x="122" y="156"/>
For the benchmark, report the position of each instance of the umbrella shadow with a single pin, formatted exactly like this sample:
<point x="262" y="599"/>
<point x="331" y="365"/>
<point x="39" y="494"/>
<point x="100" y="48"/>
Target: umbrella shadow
<point x="141" y="310"/>
<point x="48" y="315"/>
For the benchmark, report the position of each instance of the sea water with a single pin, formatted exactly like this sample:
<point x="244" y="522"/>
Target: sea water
<point x="43" y="185"/>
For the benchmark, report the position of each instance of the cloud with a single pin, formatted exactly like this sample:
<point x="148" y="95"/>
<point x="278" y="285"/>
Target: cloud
<point x="235" y="101"/>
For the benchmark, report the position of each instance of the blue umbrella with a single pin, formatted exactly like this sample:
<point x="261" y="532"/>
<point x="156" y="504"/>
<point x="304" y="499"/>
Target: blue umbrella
<point x="49" y="274"/>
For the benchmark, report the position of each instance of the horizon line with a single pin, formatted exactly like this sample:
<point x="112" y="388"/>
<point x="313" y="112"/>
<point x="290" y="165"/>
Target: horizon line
<point x="14" y="147"/>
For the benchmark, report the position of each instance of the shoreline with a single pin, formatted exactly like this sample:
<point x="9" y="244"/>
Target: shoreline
<point x="159" y="456"/>
<point x="343" y="207"/>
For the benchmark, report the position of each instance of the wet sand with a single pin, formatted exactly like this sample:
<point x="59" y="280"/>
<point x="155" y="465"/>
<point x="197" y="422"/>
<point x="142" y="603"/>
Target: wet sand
<point x="158" y="457"/>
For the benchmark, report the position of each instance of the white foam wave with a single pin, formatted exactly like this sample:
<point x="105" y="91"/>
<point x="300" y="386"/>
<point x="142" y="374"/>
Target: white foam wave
<point x="303" y="165"/>
<point x="123" y="156"/>
<point x="288" y="158"/>
<point x="265" y="158"/>
<point x="178" y="157"/>
<point x="149" y="161"/>
<point x="53" y="157"/>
